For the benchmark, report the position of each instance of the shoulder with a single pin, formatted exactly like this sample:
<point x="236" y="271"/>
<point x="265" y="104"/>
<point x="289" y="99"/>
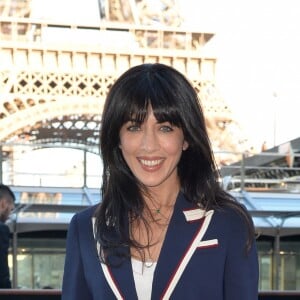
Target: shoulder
<point x="86" y="213"/>
<point x="81" y="223"/>
<point x="233" y="216"/>
<point x="83" y="218"/>
<point x="4" y="228"/>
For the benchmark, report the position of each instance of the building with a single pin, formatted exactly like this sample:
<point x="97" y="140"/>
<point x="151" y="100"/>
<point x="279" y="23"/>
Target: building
<point x="54" y="75"/>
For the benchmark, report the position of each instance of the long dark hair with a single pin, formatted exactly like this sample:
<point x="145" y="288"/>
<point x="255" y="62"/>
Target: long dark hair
<point x="172" y="99"/>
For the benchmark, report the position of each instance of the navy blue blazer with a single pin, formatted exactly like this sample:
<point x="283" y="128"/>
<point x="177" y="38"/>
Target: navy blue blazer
<point x="203" y="257"/>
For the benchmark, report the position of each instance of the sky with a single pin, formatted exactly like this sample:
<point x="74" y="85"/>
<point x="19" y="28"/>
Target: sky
<point x="257" y="44"/>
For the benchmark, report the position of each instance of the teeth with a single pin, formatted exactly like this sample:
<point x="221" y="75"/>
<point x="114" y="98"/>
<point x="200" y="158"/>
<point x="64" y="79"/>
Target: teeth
<point x="151" y="163"/>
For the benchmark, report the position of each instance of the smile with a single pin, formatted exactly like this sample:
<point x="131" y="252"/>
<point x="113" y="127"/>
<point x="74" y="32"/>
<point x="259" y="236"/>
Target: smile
<point x="151" y="163"/>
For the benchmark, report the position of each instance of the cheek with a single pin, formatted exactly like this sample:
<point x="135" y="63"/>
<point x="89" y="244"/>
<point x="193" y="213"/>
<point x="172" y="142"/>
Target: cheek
<point x="127" y="145"/>
<point x="123" y="140"/>
<point x="174" y="145"/>
<point x="173" y="148"/>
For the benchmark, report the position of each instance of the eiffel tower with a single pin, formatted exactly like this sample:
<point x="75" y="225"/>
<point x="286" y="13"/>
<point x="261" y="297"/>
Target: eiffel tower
<point x="55" y="74"/>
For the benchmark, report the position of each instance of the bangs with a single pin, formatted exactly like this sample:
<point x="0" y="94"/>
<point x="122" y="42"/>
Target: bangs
<point x="162" y="101"/>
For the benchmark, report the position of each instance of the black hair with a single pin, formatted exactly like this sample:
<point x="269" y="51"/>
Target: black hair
<point x="6" y="193"/>
<point x="172" y="99"/>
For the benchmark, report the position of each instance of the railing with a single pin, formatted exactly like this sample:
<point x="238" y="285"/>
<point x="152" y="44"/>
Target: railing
<point x="45" y="165"/>
<point x="16" y="294"/>
<point x="27" y="165"/>
<point x="279" y="295"/>
<point x="51" y="203"/>
<point x="274" y="171"/>
<point x="104" y="34"/>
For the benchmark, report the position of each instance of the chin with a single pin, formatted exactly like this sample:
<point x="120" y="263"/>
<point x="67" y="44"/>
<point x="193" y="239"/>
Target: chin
<point x="151" y="184"/>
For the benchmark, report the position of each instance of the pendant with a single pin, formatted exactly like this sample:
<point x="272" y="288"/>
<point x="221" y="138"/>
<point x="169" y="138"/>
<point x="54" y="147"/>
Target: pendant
<point x="148" y="264"/>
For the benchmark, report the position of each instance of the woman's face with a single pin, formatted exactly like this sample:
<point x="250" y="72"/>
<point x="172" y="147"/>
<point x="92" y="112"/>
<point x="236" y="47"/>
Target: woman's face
<point x="152" y="151"/>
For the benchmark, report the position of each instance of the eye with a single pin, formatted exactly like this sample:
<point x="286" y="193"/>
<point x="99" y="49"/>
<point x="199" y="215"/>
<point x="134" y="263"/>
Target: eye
<point x="166" y="128"/>
<point x="133" y="127"/>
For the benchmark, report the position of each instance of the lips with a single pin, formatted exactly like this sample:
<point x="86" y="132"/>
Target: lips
<point x="151" y="164"/>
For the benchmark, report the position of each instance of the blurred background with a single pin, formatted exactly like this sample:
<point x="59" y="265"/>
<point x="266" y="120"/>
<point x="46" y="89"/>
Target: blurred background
<point x="59" y="58"/>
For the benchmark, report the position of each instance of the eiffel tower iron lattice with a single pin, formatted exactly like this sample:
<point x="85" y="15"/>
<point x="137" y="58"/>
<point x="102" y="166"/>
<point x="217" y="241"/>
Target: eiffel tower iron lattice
<point x="54" y="75"/>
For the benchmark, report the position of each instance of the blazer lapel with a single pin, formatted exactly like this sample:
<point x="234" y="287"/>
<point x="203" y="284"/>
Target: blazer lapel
<point x="120" y="277"/>
<point x="186" y="229"/>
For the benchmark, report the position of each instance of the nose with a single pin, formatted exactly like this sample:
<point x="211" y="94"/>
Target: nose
<point x="150" y="141"/>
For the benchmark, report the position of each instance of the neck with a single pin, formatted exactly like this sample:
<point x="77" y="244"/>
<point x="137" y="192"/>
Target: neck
<point x="166" y="199"/>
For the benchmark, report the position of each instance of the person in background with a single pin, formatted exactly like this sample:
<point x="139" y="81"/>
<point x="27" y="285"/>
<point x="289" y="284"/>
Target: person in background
<point x="165" y="228"/>
<point x="7" y="200"/>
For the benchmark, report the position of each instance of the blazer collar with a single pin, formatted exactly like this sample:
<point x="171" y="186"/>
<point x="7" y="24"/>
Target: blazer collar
<point x="186" y="226"/>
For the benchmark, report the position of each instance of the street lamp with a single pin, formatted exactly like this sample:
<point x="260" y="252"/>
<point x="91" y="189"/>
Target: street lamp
<point x="275" y="118"/>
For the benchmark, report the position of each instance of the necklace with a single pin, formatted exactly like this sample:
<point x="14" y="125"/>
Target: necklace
<point x="159" y="229"/>
<point x="156" y="246"/>
<point x="157" y="210"/>
<point x="152" y="239"/>
<point x="159" y="216"/>
<point x="148" y="264"/>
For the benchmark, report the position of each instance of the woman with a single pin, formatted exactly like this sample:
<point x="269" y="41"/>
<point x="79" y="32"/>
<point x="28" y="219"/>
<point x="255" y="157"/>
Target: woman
<point x="165" y="228"/>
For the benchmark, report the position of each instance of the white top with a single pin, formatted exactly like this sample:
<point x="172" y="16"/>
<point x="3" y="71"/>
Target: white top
<point x="143" y="277"/>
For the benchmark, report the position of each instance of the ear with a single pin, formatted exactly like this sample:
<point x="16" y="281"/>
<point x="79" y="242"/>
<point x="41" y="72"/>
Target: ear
<point x="185" y="145"/>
